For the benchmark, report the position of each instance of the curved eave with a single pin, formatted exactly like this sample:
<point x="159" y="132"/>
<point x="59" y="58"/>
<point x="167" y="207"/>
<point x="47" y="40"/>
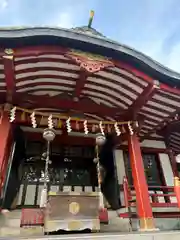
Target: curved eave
<point x="92" y="43"/>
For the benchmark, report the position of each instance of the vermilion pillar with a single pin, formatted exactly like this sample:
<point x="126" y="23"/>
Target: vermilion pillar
<point x="144" y="209"/>
<point x="5" y="144"/>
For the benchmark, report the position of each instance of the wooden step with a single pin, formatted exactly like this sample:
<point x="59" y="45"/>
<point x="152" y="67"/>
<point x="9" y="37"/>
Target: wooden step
<point x="155" y="214"/>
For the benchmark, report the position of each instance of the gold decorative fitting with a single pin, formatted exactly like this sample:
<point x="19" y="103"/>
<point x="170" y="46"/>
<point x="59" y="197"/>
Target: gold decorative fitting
<point x="156" y="84"/>
<point x="9" y="51"/>
<point x="74" y="208"/>
<point x="89" y="62"/>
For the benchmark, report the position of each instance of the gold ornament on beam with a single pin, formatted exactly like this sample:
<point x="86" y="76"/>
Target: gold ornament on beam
<point x="23" y="117"/>
<point x="59" y="125"/>
<point x="8" y="53"/>
<point x="88" y="61"/>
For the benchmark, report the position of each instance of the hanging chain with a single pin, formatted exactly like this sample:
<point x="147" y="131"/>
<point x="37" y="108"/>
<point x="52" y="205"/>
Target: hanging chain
<point x="46" y="173"/>
<point x="101" y="200"/>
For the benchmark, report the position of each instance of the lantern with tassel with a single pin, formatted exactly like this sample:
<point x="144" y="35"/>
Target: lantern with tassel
<point x="100" y="139"/>
<point x="48" y="135"/>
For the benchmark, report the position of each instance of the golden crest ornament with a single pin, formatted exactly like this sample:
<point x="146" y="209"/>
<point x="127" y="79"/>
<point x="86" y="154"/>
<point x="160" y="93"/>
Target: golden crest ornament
<point x="74" y="208"/>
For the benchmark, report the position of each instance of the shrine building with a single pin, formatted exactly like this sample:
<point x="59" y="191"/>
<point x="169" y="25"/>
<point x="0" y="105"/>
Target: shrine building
<point x="81" y="83"/>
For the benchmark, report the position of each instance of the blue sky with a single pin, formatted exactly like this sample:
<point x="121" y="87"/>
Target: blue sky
<point x="150" y="26"/>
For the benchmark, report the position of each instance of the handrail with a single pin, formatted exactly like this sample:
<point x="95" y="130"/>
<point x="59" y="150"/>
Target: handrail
<point x="170" y="193"/>
<point x="156" y="187"/>
<point x="126" y="191"/>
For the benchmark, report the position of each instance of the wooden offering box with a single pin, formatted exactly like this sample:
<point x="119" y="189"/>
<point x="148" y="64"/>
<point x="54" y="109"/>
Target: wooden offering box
<point x="72" y="211"/>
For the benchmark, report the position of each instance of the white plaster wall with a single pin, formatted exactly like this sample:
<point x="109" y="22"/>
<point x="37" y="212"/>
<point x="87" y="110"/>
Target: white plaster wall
<point x="167" y="169"/>
<point x="119" y="160"/>
<point x="150" y="144"/>
<point x="153" y="144"/>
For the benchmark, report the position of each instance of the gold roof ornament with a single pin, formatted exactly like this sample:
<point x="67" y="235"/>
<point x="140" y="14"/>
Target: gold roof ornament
<point x="9" y="51"/>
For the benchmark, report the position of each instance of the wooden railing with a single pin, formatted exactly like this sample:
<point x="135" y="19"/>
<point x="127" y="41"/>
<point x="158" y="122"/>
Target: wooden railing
<point x="32" y="217"/>
<point x="160" y="196"/>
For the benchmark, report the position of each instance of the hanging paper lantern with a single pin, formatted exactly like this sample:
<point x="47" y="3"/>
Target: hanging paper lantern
<point x="12" y="114"/>
<point x="85" y="127"/>
<point x="33" y="120"/>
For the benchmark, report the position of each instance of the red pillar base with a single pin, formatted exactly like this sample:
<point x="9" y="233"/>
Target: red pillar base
<point x="103" y="216"/>
<point x="147" y="225"/>
<point x="144" y="209"/>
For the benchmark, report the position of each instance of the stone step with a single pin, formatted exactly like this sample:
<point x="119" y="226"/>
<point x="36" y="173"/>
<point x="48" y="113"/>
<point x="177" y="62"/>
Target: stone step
<point x="11" y="220"/>
<point x="9" y="231"/>
<point x="21" y="232"/>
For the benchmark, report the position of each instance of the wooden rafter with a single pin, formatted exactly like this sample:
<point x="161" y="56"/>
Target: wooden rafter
<point x="141" y="101"/>
<point x="80" y="83"/>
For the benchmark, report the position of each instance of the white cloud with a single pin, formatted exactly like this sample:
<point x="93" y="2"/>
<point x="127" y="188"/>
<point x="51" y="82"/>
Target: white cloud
<point x="3" y="4"/>
<point x="65" y="20"/>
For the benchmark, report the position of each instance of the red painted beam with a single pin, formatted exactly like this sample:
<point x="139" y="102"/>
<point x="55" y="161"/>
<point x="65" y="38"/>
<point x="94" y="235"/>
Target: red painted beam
<point x="9" y="76"/>
<point x="38" y="50"/>
<point x="63" y="140"/>
<point x="83" y="106"/>
<point x="80" y="83"/>
<point x="141" y="101"/>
